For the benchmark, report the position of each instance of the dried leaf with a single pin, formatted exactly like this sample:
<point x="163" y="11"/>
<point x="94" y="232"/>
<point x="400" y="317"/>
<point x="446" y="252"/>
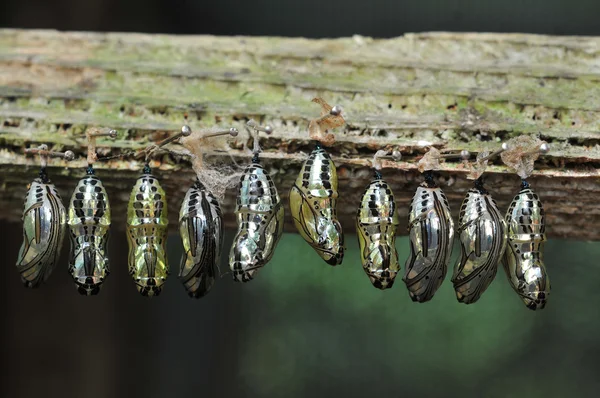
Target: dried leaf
<point x="429" y="161"/>
<point x="478" y="167"/>
<point x="521" y="154"/>
<point x="376" y="162"/>
<point x="318" y="128"/>
<point x="325" y="107"/>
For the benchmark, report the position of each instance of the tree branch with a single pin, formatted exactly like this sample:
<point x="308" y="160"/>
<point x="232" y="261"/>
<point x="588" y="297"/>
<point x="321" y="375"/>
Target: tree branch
<point x="452" y="91"/>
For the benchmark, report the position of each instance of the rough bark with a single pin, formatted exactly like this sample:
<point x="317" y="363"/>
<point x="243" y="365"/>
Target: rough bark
<point x="452" y="91"/>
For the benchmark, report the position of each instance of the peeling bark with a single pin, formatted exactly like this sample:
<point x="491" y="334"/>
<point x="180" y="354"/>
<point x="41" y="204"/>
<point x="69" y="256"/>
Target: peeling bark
<point x="452" y="91"/>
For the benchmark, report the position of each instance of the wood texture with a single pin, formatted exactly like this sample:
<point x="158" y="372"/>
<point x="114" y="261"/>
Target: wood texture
<point x="453" y="91"/>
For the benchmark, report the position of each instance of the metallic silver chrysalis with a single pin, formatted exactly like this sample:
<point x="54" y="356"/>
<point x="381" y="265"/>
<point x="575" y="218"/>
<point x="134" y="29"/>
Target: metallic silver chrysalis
<point x="147" y="224"/>
<point x="44" y="224"/>
<point x="259" y="214"/>
<point x="431" y="232"/>
<point x="376" y="224"/>
<point x="524" y="255"/>
<point x="482" y="234"/>
<point x="201" y="230"/>
<point x="89" y="223"/>
<point x="313" y="200"/>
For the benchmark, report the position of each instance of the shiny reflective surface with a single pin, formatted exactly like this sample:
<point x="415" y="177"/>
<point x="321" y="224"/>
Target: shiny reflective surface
<point x="376" y="224"/>
<point x="44" y="223"/>
<point x="431" y="231"/>
<point x="524" y="255"/>
<point x="89" y="222"/>
<point x="313" y="199"/>
<point x="147" y="224"/>
<point x="294" y="325"/>
<point x="201" y="230"/>
<point x="482" y="234"/>
<point x="259" y="214"/>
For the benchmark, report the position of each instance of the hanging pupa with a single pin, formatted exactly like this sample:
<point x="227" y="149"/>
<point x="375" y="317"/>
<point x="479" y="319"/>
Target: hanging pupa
<point x="259" y="214"/>
<point x="524" y="256"/>
<point x="147" y="224"/>
<point x="313" y="197"/>
<point x="147" y="229"/>
<point x="201" y="230"/>
<point x="376" y="225"/>
<point x="431" y="232"/>
<point x="89" y="223"/>
<point x="44" y="224"/>
<point x="482" y="234"/>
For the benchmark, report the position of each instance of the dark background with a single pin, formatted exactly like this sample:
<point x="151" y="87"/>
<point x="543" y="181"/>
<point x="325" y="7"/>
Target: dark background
<point x="301" y="328"/>
<point x="310" y="18"/>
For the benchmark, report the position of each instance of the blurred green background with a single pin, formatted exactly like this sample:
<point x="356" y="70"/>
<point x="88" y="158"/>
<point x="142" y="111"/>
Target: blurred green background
<point x="302" y="328"/>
